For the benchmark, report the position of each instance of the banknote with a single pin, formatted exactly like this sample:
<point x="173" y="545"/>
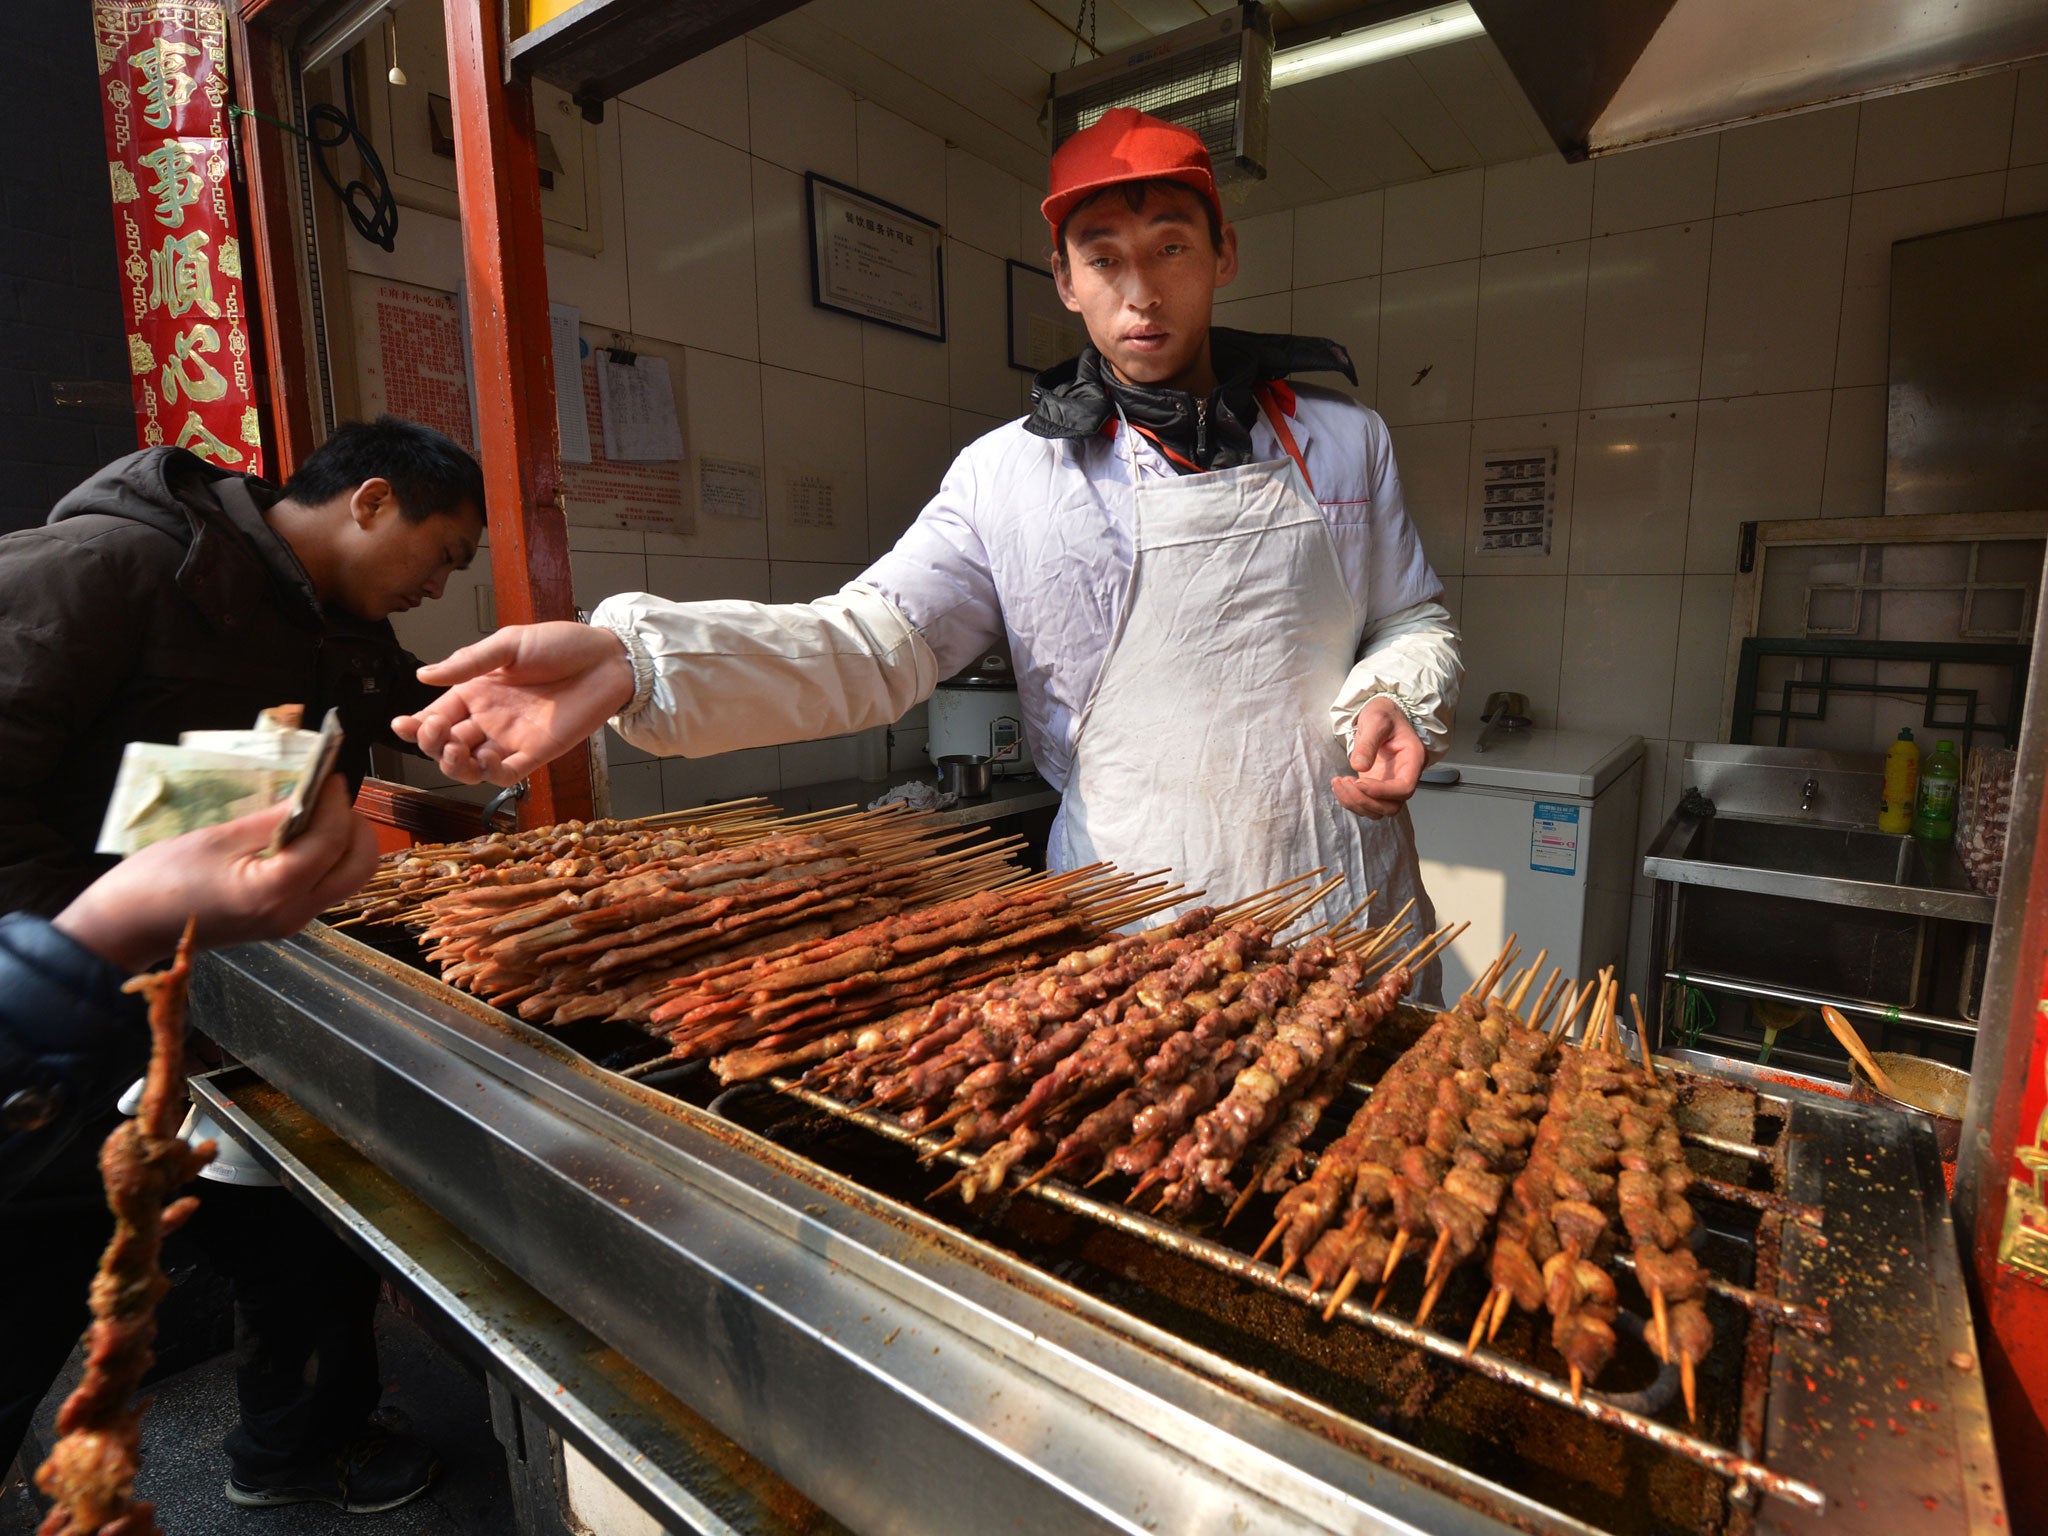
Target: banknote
<point x="209" y="777"/>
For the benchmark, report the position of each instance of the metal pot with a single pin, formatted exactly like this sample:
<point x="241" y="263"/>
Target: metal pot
<point x="1924" y="1079"/>
<point x="964" y="775"/>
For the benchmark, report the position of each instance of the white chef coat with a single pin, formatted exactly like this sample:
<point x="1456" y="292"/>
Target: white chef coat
<point x="1028" y="539"/>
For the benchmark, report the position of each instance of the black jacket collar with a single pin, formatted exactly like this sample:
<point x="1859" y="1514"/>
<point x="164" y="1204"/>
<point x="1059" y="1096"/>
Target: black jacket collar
<point x="1077" y="398"/>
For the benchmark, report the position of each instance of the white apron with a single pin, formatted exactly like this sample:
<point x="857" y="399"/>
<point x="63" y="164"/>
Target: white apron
<point x="1205" y="746"/>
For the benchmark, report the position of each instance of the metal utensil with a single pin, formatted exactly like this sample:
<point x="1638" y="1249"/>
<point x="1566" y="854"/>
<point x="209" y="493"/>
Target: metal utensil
<point x="965" y="775"/>
<point x="1503" y="712"/>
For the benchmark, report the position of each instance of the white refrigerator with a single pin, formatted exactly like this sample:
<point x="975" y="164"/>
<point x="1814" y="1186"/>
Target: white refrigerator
<point x="1536" y="837"/>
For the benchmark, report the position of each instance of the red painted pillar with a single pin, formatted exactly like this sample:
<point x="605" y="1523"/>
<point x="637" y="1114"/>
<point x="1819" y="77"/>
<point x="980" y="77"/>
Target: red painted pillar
<point x="504" y="262"/>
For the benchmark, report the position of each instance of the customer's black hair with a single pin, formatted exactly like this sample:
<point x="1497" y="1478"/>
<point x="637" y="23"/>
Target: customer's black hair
<point x="430" y="475"/>
<point x="1134" y="195"/>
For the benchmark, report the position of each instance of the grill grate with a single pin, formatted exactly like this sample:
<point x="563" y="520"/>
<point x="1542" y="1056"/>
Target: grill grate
<point x="1629" y="1414"/>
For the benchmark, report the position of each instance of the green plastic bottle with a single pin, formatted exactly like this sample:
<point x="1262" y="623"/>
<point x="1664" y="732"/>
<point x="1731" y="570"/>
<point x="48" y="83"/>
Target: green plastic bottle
<point x="1934" y="815"/>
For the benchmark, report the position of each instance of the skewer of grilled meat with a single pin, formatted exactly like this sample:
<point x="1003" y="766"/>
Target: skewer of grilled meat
<point x="90" y="1473"/>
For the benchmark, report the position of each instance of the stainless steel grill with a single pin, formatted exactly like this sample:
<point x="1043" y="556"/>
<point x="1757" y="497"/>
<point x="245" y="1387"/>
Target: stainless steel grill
<point x="1058" y="1362"/>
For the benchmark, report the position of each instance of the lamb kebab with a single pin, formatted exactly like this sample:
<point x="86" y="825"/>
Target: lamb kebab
<point x="90" y="1473"/>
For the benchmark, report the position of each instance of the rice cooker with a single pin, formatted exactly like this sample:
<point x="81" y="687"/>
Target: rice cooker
<point x="976" y="714"/>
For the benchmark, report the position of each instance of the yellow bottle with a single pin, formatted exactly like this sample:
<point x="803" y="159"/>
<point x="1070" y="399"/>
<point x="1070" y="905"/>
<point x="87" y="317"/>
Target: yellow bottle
<point x="1901" y="779"/>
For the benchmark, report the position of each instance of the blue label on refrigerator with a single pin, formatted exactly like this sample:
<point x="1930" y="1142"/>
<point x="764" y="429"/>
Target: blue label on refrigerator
<point x="1554" y="838"/>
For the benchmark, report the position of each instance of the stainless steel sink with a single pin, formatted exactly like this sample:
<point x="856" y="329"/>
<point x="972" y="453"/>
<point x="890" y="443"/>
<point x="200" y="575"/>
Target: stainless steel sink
<point x="1816" y="861"/>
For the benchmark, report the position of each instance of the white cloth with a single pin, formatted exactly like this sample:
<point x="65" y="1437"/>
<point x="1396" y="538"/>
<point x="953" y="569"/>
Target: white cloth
<point x="1031" y="540"/>
<point x="1235" y="598"/>
<point x="718" y="676"/>
<point x="1028" y="539"/>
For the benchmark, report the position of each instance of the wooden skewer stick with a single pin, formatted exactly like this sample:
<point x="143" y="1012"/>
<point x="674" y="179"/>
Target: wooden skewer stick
<point x="1415" y="959"/>
<point x="1342" y="1294"/>
<point x="1251" y="1187"/>
<point x="1479" y="1322"/>
<point x="1394" y="1256"/>
<point x="1642" y="1036"/>
<point x="1500" y="1313"/>
<point x="1578" y="1386"/>
<point x="1689" y="1381"/>
<point x="1567" y="1015"/>
<point x="1663" y="1317"/>
<point x="1252" y="902"/>
<point x="1429" y="1297"/>
<point x="1292" y="914"/>
<point x="1522" y="990"/>
<point x="1488" y="995"/>
<point x="1542" y="1004"/>
<point x="1391" y="923"/>
<point x="1483" y="982"/>
<point x="1272" y="1237"/>
<point x="1852" y="1042"/>
<point x="1436" y="1257"/>
<point x="1347" y="919"/>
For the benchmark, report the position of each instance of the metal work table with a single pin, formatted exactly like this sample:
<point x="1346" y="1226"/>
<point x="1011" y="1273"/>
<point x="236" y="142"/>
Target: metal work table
<point x="906" y="1377"/>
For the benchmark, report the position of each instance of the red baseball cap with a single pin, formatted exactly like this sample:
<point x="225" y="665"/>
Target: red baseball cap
<point x="1126" y="145"/>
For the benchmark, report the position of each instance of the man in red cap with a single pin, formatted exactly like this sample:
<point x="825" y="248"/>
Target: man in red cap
<point x="1230" y="650"/>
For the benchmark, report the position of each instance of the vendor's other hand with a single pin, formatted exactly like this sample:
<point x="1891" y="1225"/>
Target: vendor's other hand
<point x="1386" y="760"/>
<point x="519" y="699"/>
<point x="226" y="878"/>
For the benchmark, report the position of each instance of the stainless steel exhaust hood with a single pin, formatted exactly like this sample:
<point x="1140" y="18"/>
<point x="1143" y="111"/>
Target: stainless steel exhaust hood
<point x="1607" y="74"/>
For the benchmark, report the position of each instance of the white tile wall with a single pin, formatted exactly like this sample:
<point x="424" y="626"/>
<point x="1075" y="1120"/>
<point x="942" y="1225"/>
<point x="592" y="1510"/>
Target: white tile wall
<point x="1634" y="489"/>
<point x="1761" y="456"/>
<point x="1536" y="202"/>
<point x="799" y="119"/>
<point x="815" y="427"/>
<point x="1699" y="327"/>
<point x="1433" y="221"/>
<point x="1265" y="256"/>
<point x="709" y="94"/>
<point x="909" y="445"/>
<point x="1787" y="160"/>
<point x="1532" y="324"/>
<point x="1948" y="130"/>
<point x="1646" y="314"/>
<point x="1659" y="184"/>
<point x="1773" y="299"/>
<point x="1340" y="239"/>
<point x="1429" y="319"/>
<point x="1347" y="313"/>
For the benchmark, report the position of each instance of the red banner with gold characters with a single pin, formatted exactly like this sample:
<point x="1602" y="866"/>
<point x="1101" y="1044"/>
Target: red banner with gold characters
<point x="163" y="92"/>
<point x="2024" y="1243"/>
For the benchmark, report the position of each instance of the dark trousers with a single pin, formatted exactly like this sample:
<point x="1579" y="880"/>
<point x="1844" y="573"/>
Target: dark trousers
<point x="305" y="1350"/>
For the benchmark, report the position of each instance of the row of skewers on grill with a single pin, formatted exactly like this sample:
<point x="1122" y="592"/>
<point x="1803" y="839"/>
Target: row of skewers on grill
<point x="1172" y="1056"/>
<point x="1492" y="1140"/>
<point x="730" y="933"/>
<point x="1199" y="1059"/>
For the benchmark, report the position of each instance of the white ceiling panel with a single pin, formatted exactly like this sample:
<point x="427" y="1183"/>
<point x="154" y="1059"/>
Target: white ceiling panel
<point x="977" y="74"/>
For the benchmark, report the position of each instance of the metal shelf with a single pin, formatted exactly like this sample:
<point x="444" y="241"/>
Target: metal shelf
<point x="1878" y="1011"/>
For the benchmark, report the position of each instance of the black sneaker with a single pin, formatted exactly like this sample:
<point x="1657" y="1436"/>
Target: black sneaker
<point x="375" y="1472"/>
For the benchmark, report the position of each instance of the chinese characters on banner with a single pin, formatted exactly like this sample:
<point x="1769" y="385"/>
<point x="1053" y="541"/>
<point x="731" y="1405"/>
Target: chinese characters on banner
<point x="2024" y="1243"/>
<point x="163" y="93"/>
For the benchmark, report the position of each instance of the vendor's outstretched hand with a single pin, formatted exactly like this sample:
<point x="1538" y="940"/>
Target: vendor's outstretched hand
<point x="1386" y="759"/>
<point x="226" y="878"/>
<point x="519" y="699"/>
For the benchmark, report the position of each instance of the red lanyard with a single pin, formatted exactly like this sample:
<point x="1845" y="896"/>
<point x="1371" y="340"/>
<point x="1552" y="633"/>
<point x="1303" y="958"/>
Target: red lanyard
<point x="1269" y="400"/>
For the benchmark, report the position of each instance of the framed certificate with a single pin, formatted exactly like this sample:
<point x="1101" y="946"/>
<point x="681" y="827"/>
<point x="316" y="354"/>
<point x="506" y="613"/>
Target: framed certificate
<point x="1043" y="331"/>
<point x="875" y="261"/>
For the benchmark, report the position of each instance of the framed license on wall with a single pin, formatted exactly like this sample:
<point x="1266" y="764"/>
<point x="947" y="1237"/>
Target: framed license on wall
<point x="1043" y="331"/>
<point x="875" y="261"/>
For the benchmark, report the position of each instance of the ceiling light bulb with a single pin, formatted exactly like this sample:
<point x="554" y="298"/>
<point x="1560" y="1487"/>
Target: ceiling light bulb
<point x="1369" y="45"/>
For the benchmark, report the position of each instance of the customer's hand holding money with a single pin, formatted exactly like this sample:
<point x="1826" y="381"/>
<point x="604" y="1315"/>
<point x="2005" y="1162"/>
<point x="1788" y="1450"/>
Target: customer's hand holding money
<point x="226" y="877"/>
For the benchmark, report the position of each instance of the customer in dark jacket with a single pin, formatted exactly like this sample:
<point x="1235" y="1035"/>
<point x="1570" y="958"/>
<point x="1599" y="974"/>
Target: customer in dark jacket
<point x="167" y="594"/>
